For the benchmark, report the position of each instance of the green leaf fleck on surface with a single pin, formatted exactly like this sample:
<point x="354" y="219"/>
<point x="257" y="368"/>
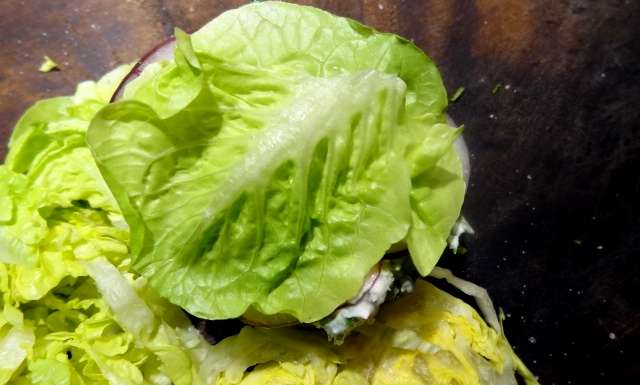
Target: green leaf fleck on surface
<point x="48" y="65"/>
<point x="497" y="88"/>
<point x="456" y="95"/>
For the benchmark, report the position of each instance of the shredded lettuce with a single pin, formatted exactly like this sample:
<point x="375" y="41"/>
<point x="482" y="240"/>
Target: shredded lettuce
<point x="428" y="336"/>
<point x="478" y="293"/>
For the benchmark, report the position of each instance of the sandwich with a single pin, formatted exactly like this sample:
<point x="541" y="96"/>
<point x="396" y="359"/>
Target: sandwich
<point x="282" y="167"/>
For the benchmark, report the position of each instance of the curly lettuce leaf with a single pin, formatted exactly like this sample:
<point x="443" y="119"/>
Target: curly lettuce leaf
<point x="46" y="235"/>
<point x="107" y="329"/>
<point x="276" y="159"/>
<point x="56" y="208"/>
<point x="49" y="371"/>
<point x="71" y="312"/>
<point x="18" y="232"/>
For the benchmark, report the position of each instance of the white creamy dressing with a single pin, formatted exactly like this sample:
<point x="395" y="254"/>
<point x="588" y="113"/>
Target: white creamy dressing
<point x="362" y="307"/>
<point x="461" y="227"/>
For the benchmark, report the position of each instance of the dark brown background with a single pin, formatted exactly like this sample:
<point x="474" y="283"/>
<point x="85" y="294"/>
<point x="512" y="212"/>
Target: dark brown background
<point x="554" y="193"/>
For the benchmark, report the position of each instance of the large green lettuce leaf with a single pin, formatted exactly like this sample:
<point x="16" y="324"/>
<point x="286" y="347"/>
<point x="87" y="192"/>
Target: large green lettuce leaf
<point x="288" y="216"/>
<point x="291" y="38"/>
<point x="275" y="160"/>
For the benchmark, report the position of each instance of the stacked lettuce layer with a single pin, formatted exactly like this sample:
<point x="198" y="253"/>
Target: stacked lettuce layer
<point x="265" y="168"/>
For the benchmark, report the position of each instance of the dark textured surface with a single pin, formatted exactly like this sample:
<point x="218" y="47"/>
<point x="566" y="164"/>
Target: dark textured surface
<point x="555" y="153"/>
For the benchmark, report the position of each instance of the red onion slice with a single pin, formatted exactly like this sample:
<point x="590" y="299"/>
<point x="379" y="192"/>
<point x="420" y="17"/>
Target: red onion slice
<point x="163" y="51"/>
